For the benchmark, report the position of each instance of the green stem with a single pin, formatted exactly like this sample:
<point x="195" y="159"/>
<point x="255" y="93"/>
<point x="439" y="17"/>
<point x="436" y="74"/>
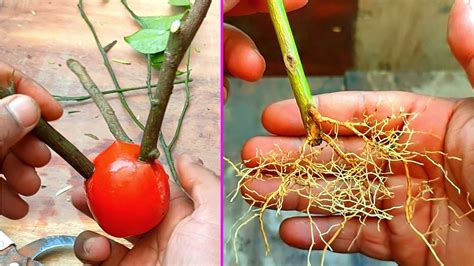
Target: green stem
<point x="58" y="143"/>
<point x="294" y="69"/>
<point x="169" y="159"/>
<point x="185" y="106"/>
<point x="134" y="16"/>
<point x="105" y="109"/>
<point x="108" y="65"/>
<point x="167" y="149"/>
<point x="81" y="98"/>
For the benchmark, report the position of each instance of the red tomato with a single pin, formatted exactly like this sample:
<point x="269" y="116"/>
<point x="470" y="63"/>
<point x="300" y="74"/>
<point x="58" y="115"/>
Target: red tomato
<point x="127" y="197"/>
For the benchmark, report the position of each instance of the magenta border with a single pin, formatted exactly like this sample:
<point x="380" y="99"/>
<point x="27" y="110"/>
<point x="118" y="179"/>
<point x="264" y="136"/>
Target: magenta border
<point x="222" y="129"/>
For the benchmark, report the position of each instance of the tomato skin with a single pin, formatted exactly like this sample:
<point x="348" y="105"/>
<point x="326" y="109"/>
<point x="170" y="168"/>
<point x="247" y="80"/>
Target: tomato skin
<point x="127" y="197"/>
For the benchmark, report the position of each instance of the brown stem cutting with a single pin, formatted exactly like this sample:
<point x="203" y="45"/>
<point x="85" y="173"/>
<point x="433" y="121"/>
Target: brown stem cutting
<point x="104" y="107"/>
<point x="178" y="43"/>
<point x="58" y="143"/>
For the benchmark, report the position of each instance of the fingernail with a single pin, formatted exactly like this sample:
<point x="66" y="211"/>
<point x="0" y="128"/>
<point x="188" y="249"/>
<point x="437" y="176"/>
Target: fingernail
<point x="24" y="110"/>
<point x="88" y="245"/>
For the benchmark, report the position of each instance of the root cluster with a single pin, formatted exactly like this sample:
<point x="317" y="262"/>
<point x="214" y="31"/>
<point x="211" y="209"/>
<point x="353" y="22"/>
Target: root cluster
<point x="349" y="184"/>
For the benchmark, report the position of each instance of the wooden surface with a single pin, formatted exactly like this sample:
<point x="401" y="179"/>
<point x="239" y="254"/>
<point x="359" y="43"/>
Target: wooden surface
<point x="403" y="35"/>
<point x="39" y="36"/>
<point x="243" y="111"/>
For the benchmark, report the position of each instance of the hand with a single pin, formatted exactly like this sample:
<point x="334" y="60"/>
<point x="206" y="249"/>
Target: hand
<point x="450" y="124"/>
<point x="20" y="152"/>
<point x="241" y="56"/>
<point x="461" y="35"/>
<point x="189" y="234"/>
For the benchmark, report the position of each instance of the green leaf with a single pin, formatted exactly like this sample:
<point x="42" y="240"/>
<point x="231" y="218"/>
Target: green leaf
<point x="179" y="2"/>
<point x="158" y="22"/>
<point x="157" y="60"/>
<point x="148" y="41"/>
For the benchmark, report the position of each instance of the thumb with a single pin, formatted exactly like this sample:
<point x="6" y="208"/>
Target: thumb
<point x="461" y="35"/>
<point x="201" y="184"/>
<point x="19" y="114"/>
<point x="92" y="248"/>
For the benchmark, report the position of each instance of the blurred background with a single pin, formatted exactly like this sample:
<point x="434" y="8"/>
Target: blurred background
<point x="334" y="36"/>
<point x="344" y="45"/>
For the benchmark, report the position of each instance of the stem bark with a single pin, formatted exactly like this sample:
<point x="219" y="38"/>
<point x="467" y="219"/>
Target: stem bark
<point x="178" y="43"/>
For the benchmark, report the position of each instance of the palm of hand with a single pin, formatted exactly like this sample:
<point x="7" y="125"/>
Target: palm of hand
<point x="445" y="125"/>
<point x="449" y="134"/>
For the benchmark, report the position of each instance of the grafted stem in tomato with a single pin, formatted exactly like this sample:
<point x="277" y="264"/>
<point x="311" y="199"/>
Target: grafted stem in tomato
<point x="127" y="197"/>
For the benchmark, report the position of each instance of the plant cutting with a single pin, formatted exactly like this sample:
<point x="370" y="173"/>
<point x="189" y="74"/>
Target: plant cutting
<point x="124" y="189"/>
<point x="127" y="187"/>
<point x="351" y="186"/>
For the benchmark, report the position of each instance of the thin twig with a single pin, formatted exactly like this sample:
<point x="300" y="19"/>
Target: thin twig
<point x="108" y="65"/>
<point x="169" y="159"/>
<point x="178" y="43"/>
<point x="109" y="46"/>
<point x="167" y="149"/>
<point x="135" y="16"/>
<point x="185" y="106"/>
<point x="87" y="97"/>
<point x="104" y="107"/>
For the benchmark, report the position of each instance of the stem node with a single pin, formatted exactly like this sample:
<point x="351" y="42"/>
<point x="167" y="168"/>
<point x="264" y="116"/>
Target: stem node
<point x="294" y="69"/>
<point x="178" y="43"/>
